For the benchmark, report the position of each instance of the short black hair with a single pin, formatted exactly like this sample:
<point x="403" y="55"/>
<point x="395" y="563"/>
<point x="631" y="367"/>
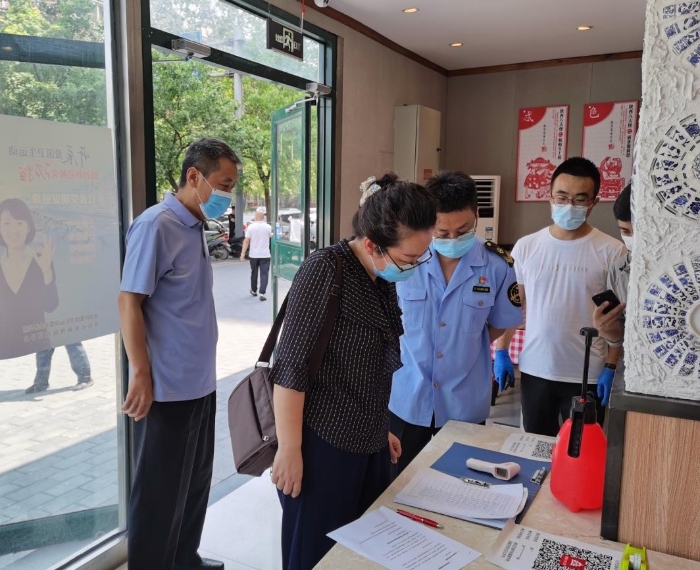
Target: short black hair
<point x="19" y="211"/>
<point x="622" y="209"/>
<point x="398" y="206"/>
<point x="205" y="155"/>
<point x="454" y="190"/>
<point x="581" y="168"/>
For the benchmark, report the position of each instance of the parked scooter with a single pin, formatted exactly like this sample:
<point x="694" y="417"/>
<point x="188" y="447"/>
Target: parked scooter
<point x="219" y="247"/>
<point x="237" y="247"/>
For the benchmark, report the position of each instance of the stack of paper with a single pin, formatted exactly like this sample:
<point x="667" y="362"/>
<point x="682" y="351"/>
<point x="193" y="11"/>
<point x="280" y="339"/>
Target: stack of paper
<point x="437" y="492"/>
<point x="398" y="543"/>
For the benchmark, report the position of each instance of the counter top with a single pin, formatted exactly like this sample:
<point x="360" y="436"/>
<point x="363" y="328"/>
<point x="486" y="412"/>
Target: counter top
<point x="621" y="399"/>
<point x="546" y="514"/>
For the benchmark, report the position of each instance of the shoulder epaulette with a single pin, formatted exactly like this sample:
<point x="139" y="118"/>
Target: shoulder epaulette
<point x="498" y="250"/>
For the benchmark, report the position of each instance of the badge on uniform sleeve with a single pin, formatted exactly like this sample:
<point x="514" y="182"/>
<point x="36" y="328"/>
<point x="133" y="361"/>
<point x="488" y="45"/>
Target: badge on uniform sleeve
<point x="514" y="295"/>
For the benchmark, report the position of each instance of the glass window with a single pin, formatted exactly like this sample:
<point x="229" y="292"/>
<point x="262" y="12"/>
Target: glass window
<point x="228" y="28"/>
<point x="59" y="271"/>
<point x="81" y="20"/>
<point x="53" y="92"/>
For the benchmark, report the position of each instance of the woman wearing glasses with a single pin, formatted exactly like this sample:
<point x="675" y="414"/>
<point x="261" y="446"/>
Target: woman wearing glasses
<point x="455" y="307"/>
<point x="335" y="450"/>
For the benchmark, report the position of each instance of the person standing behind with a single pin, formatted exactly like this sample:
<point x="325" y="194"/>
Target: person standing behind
<point x="457" y="304"/>
<point x="559" y="269"/>
<point x="168" y="323"/>
<point x="611" y="325"/>
<point x="335" y="449"/>
<point x="78" y="362"/>
<point x="232" y="225"/>
<point x="257" y="236"/>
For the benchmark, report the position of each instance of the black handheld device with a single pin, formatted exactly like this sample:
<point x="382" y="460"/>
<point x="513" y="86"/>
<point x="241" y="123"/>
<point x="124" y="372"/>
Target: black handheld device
<point x="608" y="296"/>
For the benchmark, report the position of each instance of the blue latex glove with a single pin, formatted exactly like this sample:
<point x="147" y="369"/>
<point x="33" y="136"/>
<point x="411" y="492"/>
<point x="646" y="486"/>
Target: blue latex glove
<point x="503" y="368"/>
<point x="605" y="382"/>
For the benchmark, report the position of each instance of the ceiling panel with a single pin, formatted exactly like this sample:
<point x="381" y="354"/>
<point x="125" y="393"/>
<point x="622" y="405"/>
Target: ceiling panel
<point x="498" y="32"/>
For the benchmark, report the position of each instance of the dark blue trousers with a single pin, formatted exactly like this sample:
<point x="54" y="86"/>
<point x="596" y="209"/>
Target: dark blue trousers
<point x="337" y="488"/>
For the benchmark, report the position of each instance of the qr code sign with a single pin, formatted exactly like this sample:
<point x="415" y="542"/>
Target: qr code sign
<point x="543" y="450"/>
<point x="557" y="556"/>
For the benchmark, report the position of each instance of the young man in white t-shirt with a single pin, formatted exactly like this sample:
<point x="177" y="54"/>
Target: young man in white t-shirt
<point x="257" y="236"/>
<point x="559" y="269"/>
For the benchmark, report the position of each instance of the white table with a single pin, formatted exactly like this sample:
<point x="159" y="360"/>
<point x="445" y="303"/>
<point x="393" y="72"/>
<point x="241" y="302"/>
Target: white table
<point x="545" y="514"/>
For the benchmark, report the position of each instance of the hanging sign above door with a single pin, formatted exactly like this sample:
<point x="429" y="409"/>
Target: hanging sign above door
<point x="283" y="39"/>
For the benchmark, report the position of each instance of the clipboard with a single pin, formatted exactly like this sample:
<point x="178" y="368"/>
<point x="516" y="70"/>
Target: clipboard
<point x="454" y="462"/>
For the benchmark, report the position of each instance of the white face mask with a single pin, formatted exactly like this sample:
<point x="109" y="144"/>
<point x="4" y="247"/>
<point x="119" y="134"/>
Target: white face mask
<point x="629" y="241"/>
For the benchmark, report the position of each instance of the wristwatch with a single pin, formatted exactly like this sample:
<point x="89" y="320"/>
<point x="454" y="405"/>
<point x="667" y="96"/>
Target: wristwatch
<point x="611" y="366"/>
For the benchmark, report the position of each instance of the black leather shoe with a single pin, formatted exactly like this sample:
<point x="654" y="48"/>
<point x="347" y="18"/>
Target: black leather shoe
<point x="203" y="563"/>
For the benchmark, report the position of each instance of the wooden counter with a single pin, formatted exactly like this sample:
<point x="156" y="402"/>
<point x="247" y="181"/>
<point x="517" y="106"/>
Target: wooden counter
<point x="546" y="513"/>
<point x="652" y="486"/>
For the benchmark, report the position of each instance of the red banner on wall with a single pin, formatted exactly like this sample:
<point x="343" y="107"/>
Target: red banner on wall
<point x="608" y="140"/>
<point x="542" y="137"/>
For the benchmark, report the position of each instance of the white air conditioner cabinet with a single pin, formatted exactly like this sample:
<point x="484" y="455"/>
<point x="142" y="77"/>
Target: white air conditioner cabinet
<point x="488" y="188"/>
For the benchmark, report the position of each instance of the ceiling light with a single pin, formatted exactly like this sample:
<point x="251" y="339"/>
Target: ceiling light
<point x="410" y="10"/>
<point x="456" y="44"/>
<point x="584" y="28"/>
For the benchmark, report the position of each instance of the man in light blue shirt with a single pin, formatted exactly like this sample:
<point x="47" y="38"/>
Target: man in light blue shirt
<point x="453" y="308"/>
<point x="168" y="323"/>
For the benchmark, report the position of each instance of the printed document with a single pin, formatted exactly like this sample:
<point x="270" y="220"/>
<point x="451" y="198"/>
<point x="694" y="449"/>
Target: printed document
<point x="434" y="491"/>
<point x="522" y="548"/>
<point x="529" y="446"/>
<point x="398" y="543"/>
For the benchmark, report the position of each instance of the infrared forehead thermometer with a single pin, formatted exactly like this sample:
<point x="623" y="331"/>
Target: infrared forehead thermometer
<point x="503" y="471"/>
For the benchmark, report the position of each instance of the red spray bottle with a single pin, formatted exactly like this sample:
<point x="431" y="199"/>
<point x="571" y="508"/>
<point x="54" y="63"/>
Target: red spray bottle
<point x="578" y="457"/>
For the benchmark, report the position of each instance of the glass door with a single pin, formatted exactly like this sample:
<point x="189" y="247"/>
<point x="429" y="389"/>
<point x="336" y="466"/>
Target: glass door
<point x="291" y="200"/>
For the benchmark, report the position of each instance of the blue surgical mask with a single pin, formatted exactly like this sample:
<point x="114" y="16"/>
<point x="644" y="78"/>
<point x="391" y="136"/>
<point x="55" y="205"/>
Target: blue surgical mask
<point x="391" y="272"/>
<point x="569" y="217"/>
<point x="455" y="248"/>
<point x="217" y="204"/>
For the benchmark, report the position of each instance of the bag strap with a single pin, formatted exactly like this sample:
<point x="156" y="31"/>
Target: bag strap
<point x="320" y="348"/>
<point x="332" y="308"/>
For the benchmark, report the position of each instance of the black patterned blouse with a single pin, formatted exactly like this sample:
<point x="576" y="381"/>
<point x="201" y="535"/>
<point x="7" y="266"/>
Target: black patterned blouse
<point x="347" y="404"/>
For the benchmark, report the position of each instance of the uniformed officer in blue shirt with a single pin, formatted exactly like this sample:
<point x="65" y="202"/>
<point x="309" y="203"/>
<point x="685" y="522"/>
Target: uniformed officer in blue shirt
<point x="453" y="308"/>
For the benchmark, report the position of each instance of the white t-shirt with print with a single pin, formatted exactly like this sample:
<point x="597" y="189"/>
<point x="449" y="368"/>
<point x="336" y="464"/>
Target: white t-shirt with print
<point x="259" y="234"/>
<point x="560" y="277"/>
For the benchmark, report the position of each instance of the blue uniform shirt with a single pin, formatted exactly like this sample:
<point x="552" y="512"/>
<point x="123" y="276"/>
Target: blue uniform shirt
<point x="167" y="259"/>
<point x="445" y="347"/>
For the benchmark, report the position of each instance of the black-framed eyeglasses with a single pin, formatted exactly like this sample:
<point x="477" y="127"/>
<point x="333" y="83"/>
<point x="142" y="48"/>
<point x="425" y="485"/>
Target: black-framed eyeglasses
<point x="561" y="200"/>
<point x="427" y="256"/>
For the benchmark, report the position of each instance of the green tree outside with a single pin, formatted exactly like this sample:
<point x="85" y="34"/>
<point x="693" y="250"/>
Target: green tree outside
<point x="53" y="92"/>
<point x="188" y="102"/>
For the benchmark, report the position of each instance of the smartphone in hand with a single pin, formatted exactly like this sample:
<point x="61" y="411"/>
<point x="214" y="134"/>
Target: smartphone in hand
<point x="608" y="296"/>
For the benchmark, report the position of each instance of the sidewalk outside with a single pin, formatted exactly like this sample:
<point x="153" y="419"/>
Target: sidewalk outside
<point x="59" y="448"/>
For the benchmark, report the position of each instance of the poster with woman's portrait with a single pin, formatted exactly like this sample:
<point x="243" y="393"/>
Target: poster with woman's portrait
<point x="59" y="235"/>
